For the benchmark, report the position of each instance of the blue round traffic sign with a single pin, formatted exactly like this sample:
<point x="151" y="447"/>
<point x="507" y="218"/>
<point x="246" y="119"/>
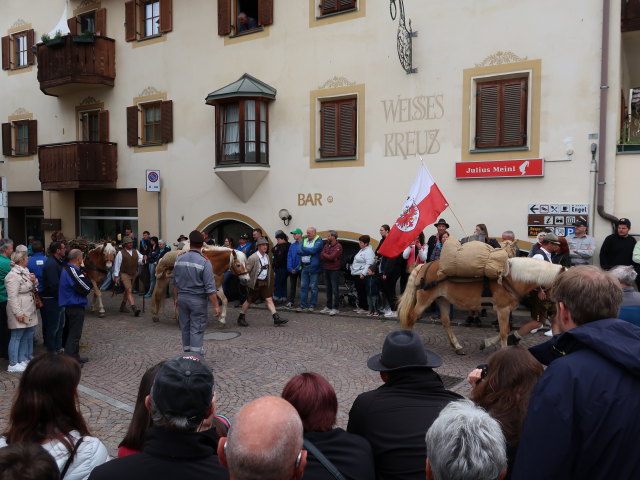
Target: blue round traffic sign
<point x="153" y="176"/>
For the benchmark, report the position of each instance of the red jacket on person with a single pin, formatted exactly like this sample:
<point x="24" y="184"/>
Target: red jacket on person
<point x="331" y="256"/>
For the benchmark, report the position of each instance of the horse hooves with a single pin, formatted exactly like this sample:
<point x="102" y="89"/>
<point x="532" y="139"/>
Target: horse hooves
<point x="155" y="319"/>
<point x="101" y="315"/>
<point x="222" y="320"/>
<point x="460" y="351"/>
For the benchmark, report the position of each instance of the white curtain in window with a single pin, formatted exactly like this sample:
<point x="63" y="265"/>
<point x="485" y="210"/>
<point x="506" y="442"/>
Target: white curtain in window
<point x="231" y="140"/>
<point x="250" y="131"/>
<point x="263" y="132"/>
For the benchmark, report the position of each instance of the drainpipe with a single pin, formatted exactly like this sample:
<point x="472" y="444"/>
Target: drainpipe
<point x="602" y="134"/>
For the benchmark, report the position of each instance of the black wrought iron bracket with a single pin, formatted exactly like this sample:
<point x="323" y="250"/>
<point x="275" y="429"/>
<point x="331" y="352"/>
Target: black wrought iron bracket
<point x="404" y="37"/>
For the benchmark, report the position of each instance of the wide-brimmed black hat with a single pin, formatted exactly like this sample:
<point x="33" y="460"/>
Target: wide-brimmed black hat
<point x="442" y="221"/>
<point x="403" y="349"/>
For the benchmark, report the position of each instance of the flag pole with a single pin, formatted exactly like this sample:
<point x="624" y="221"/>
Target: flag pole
<point x="448" y="204"/>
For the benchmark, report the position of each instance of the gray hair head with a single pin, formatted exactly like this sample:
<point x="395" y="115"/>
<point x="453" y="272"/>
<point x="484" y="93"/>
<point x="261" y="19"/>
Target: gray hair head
<point x="75" y="253"/>
<point x="4" y="244"/>
<point x="333" y="233"/>
<point x="466" y="442"/>
<point x="509" y="234"/>
<point x="161" y="241"/>
<point x="181" y="423"/>
<point x="625" y="274"/>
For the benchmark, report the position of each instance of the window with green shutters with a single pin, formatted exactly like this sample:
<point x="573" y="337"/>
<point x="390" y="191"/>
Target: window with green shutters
<point x="338" y="127"/>
<point x="501" y="113"/>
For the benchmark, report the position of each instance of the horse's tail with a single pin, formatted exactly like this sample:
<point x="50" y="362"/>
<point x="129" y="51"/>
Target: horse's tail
<point x="408" y="299"/>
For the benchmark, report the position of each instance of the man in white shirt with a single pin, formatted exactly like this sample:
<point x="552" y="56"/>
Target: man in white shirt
<point x="125" y="268"/>
<point x="260" y="284"/>
<point x="581" y="245"/>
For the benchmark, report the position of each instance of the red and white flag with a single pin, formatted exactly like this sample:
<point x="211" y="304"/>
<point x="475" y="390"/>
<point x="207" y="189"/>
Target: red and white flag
<point x="424" y="203"/>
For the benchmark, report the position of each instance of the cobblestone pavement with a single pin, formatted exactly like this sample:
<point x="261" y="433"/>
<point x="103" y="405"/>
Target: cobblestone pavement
<point x="257" y="361"/>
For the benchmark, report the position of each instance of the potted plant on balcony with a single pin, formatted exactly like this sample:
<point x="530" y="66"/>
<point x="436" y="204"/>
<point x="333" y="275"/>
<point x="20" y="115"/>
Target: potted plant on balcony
<point x="57" y="39"/>
<point x="86" y="37"/>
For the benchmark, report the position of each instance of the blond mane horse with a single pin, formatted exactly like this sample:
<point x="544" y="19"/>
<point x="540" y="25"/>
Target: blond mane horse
<point x="97" y="264"/>
<point x="423" y="288"/>
<point x="221" y="258"/>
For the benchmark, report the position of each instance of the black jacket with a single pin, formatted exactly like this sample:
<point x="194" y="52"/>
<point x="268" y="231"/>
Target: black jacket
<point x="616" y="250"/>
<point x="51" y="276"/>
<point x="351" y="454"/>
<point x="395" y="418"/>
<point x="168" y="454"/>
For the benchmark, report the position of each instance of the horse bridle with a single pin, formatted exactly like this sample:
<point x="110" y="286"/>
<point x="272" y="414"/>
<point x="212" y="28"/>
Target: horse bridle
<point x="232" y="266"/>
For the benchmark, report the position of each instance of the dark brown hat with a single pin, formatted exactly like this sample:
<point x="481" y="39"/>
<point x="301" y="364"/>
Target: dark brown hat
<point x="442" y="221"/>
<point x="403" y="349"/>
<point x="196" y="238"/>
<point x="261" y="241"/>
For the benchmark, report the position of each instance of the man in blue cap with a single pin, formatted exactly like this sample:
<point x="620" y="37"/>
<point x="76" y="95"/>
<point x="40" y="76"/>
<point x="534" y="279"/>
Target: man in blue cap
<point x="395" y="417"/>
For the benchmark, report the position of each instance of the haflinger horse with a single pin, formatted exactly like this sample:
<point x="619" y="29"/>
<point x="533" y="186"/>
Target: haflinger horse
<point x="221" y="258"/>
<point x="97" y="264"/>
<point x="423" y="288"/>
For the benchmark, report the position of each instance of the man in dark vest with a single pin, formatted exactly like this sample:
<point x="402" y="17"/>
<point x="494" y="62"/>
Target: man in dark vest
<point x="125" y="268"/>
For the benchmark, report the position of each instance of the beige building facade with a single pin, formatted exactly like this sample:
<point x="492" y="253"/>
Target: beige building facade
<point x="307" y="107"/>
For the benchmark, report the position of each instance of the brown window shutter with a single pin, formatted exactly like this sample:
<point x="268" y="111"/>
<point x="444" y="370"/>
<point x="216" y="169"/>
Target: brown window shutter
<point x="514" y="113"/>
<point x="6" y="139"/>
<point x="101" y="22"/>
<point x="31" y="37"/>
<point x="6" y="52"/>
<point x="130" y="22"/>
<point x="103" y="126"/>
<point x="224" y="17"/>
<point x="265" y="12"/>
<point x="72" y="23"/>
<point x="166" y="16"/>
<point x="328" y="127"/>
<point x="166" y="121"/>
<point x="347" y="4"/>
<point x="132" y="126"/>
<point x="487" y="115"/>
<point x="328" y="6"/>
<point x="347" y="128"/>
<point x="33" y="136"/>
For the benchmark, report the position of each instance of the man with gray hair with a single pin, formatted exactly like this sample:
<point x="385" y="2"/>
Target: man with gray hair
<point x="465" y="442"/>
<point x="627" y="275"/>
<point x="180" y="444"/>
<point x="6" y="249"/>
<point x="265" y="442"/>
<point x="580" y="408"/>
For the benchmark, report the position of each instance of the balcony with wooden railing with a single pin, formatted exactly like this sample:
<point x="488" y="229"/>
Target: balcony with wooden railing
<point x="78" y="165"/>
<point x="74" y="62"/>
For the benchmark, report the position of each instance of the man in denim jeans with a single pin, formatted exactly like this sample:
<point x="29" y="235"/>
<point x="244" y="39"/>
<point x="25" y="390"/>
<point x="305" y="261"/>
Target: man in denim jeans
<point x="311" y="267"/>
<point x="52" y="314"/>
<point x="331" y="256"/>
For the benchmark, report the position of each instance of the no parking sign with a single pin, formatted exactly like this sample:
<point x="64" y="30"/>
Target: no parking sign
<point x="153" y="180"/>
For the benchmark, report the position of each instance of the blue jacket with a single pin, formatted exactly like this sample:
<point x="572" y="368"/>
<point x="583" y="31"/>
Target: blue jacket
<point x="583" y="412"/>
<point x="36" y="266"/>
<point x="74" y="287"/>
<point x="293" y="260"/>
<point x="313" y="250"/>
<point x="51" y="276"/>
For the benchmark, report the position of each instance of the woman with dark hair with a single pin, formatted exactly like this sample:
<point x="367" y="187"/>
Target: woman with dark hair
<point x="315" y="400"/>
<point x="361" y="262"/>
<point x="153" y="257"/>
<point x="46" y="411"/>
<point x="562" y="256"/>
<point x="133" y="441"/>
<point x="503" y="389"/>
<point x="280" y="252"/>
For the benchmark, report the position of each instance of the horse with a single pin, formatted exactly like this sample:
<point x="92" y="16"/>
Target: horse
<point x="97" y="264"/>
<point x="221" y="258"/>
<point x="423" y="288"/>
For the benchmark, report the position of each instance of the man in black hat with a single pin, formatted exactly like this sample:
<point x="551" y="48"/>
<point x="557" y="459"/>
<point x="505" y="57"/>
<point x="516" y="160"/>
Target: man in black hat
<point x="395" y="417"/>
<point x="178" y="444"/>
<point x="194" y="284"/>
<point x="260" y="283"/>
<point x="442" y="226"/>
<point x="581" y="246"/>
<point x="125" y="269"/>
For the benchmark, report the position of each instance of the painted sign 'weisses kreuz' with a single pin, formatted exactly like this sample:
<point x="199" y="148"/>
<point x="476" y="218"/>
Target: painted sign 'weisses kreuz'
<point x="531" y="167"/>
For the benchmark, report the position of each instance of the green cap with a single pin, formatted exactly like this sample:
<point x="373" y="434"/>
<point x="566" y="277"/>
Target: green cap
<point x="297" y="230"/>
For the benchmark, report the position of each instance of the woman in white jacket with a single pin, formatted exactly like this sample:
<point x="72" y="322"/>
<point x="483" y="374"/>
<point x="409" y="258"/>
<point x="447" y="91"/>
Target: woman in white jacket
<point x="361" y="262"/>
<point x="22" y="316"/>
<point x="46" y="411"/>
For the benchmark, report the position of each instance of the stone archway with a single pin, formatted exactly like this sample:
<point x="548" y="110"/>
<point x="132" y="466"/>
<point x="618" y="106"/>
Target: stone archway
<point x="231" y="224"/>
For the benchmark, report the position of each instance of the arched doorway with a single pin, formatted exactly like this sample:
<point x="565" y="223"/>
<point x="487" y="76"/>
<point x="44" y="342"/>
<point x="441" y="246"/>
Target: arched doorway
<point x="228" y="224"/>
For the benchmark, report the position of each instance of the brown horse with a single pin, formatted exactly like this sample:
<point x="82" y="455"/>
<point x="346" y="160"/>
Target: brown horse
<point x="221" y="258"/>
<point x="423" y="288"/>
<point x="97" y="264"/>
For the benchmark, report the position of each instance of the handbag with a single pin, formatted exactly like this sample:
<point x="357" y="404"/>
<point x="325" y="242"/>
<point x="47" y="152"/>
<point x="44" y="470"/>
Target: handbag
<point x="36" y="298"/>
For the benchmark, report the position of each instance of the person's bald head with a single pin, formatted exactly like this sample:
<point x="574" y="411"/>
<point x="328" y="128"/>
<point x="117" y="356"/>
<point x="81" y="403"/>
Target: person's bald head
<point x="265" y="440"/>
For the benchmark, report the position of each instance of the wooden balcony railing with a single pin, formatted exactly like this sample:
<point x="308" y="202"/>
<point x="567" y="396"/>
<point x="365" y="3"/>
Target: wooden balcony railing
<point x="78" y="165"/>
<point x="630" y="20"/>
<point x="73" y="64"/>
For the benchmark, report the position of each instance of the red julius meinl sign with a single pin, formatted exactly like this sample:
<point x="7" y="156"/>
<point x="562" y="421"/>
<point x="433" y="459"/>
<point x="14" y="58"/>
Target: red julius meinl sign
<point x="531" y="167"/>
